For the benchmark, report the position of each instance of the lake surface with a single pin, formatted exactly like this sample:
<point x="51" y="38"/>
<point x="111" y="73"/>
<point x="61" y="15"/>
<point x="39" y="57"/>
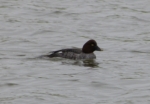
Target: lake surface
<point x="30" y="28"/>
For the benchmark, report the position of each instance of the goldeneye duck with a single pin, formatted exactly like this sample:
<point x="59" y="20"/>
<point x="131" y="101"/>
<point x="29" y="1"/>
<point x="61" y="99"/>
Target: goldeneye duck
<point x="76" y="53"/>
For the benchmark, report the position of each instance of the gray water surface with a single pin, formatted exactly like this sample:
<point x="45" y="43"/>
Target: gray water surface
<point x="30" y="28"/>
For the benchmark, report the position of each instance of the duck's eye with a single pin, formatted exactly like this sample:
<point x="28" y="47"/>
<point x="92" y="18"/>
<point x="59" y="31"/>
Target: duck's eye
<point x="92" y="44"/>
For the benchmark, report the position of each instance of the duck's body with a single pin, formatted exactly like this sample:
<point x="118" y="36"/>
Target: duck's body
<point x="73" y="53"/>
<point x="76" y="53"/>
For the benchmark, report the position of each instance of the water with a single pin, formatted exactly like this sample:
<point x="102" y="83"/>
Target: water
<point x="30" y="28"/>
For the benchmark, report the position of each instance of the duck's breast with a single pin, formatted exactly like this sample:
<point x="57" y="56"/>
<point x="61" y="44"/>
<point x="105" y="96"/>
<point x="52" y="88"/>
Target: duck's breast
<point x="86" y="56"/>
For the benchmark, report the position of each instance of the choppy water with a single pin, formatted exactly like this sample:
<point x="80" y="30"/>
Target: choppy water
<point x="30" y="28"/>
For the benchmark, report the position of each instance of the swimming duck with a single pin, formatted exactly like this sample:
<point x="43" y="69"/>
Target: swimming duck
<point x="76" y="53"/>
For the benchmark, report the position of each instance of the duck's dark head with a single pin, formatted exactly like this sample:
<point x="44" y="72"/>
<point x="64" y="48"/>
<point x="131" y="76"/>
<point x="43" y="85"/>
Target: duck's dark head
<point x="90" y="46"/>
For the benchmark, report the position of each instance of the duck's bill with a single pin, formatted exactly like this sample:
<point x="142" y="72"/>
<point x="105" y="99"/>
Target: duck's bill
<point x="98" y="49"/>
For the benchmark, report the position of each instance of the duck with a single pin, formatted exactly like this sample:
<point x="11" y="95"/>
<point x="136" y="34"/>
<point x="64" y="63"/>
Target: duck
<point x="86" y="52"/>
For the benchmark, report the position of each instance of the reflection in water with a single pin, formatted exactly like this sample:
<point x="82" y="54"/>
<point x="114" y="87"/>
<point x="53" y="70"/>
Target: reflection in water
<point x="87" y="63"/>
<point x="90" y="63"/>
